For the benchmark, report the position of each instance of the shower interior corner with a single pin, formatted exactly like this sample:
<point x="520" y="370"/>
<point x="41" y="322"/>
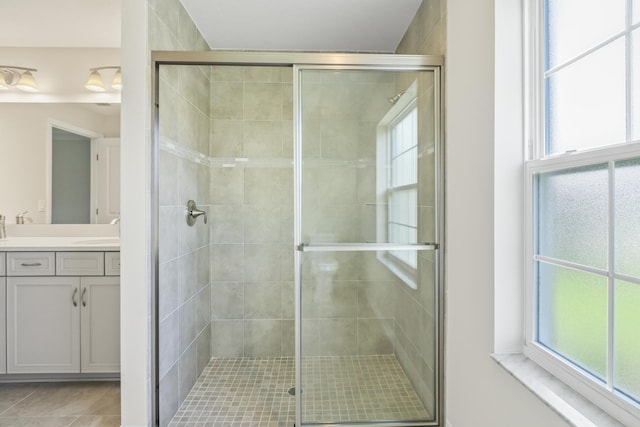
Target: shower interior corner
<point x="226" y="300"/>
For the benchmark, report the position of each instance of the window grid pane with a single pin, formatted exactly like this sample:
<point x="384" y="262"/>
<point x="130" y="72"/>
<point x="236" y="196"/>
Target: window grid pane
<point x="574" y="26"/>
<point x="627" y="217"/>
<point x="402" y="222"/>
<point x="403" y="212"/>
<point x="635" y="83"/>
<point x="586" y="102"/>
<point x="626" y="370"/>
<point x="404" y="170"/>
<point x="573" y="215"/>
<point x="572" y="316"/>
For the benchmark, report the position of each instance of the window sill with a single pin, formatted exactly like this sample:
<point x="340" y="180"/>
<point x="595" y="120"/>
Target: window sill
<point x="571" y="406"/>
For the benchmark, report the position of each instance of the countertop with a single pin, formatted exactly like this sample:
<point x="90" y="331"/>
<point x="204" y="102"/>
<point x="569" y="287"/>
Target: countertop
<point x="39" y="244"/>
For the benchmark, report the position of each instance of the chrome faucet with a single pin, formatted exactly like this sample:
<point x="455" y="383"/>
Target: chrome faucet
<point x="115" y="221"/>
<point x="3" y="232"/>
<point x="21" y="217"/>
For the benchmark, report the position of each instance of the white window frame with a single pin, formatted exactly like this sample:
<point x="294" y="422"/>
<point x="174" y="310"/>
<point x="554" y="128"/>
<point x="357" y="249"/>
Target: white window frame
<point x="403" y="106"/>
<point x="616" y="404"/>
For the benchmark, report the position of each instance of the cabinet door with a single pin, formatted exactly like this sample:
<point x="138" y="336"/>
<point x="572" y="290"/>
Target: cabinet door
<point x="43" y="324"/>
<point x="3" y="324"/>
<point x="100" y="319"/>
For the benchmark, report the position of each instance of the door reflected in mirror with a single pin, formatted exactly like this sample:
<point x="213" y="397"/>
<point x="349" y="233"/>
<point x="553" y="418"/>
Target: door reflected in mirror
<point x="85" y="178"/>
<point x="27" y="164"/>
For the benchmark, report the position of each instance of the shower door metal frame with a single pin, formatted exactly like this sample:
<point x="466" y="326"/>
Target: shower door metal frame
<point x="300" y="61"/>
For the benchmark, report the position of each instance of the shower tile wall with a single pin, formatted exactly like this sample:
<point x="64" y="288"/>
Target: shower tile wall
<point x="252" y="305"/>
<point x="415" y="349"/>
<point x="184" y="296"/>
<point x="414" y="313"/>
<point x="251" y="145"/>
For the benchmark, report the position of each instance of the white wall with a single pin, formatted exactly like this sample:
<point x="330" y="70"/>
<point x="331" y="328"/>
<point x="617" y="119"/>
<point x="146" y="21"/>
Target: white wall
<point x="135" y="240"/>
<point x="24" y="131"/>
<point x="479" y="392"/>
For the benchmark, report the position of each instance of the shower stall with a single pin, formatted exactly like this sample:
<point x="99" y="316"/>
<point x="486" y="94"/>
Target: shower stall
<point x="306" y="286"/>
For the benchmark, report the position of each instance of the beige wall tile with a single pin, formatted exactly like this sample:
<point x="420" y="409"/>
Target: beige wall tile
<point x="263" y="101"/>
<point x="169" y="348"/>
<point x="262" y="300"/>
<point x="226" y="138"/>
<point x="262" y="139"/>
<point x="227" y="338"/>
<point x="227" y="224"/>
<point x="335" y="298"/>
<point x="262" y="186"/>
<point x="187" y="320"/>
<point x="227" y="100"/>
<point x="375" y="336"/>
<point x="168" y="293"/>
<point x="262" y="224"/>
<point x="227" y="186"/>
<point x="338" y="336"/>
<point x="227" y="300"/>
<point x="261" y="262"/>
<point x="228" y="73"/>
<point x="263" y="74"/>
<point x="262" y="338"/>
<point x="227" y="262"/>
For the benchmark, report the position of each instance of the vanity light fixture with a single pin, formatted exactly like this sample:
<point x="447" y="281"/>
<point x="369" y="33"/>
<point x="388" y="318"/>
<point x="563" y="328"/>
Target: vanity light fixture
<point x="95" y="82"/>
<point x="19" y="77"/>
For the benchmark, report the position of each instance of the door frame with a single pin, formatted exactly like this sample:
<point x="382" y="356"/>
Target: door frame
<point x="93" y="137"/>
<point x="379" y="62"/>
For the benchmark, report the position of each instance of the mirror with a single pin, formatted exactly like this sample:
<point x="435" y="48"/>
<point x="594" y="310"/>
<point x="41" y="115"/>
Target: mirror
<point x="27" y="158"/>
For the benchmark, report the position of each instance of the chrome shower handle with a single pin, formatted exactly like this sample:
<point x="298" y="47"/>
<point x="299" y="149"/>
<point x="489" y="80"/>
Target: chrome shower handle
<point x="193" y="213"/>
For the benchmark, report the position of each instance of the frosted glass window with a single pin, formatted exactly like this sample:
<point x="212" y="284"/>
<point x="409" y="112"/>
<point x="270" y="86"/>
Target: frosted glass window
<point x="586" y="104"/>
<point x="572" y="316"/>
<point x="626" y="370"/>
<point x="585" y="207"/>
<point x="573" y="215"/>
<point x="627" y="218"/>
<point x="635" y="67"/>
<point x="574" y="26"/>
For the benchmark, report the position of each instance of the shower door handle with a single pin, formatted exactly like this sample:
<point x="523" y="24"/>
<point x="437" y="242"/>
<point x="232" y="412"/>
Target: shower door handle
<point x="359" y="247"/>
<point x="193" y="213"/>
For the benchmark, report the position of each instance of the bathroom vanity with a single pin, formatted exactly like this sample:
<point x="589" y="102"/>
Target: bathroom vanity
<point x="59" y="307"/>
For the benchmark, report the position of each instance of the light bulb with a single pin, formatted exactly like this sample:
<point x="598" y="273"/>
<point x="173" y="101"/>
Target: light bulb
<point x="95" y="82"/>
<point x="27" y="82"/>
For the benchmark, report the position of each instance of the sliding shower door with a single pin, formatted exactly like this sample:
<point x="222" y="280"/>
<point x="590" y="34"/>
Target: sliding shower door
<point x="367" y="213"/>
<point x="311" y="295"/>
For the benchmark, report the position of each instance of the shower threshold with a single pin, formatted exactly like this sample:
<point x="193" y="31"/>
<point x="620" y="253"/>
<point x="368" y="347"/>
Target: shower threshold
<point x="254" y="392"/>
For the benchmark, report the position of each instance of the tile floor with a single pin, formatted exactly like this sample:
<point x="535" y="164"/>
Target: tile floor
<point x="86" y="404"/>
<point x="253" y="392"/>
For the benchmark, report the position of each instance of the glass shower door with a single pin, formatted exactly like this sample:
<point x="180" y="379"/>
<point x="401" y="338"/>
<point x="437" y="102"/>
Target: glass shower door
<point x="367" y="214"/>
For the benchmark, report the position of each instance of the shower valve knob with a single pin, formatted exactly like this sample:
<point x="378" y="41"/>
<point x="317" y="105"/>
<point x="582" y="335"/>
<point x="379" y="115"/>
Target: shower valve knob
<point x="193" y="213"/>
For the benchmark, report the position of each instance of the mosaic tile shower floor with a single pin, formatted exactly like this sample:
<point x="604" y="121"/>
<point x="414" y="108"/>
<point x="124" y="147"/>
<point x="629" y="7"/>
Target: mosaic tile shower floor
<point x="253" y="392"/>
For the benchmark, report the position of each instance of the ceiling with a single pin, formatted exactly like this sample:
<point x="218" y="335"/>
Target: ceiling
<point x="319" y="25"/>
<point x="316" y="25"/>
<point x="60" y="23"/>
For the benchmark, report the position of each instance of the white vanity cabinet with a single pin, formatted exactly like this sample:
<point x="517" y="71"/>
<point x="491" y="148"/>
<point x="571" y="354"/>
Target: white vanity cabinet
<point x="3" y="317"/>
<point x="100" y="324"/>
<point x="43" y="324"/>
<point x="63" y="323"/>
